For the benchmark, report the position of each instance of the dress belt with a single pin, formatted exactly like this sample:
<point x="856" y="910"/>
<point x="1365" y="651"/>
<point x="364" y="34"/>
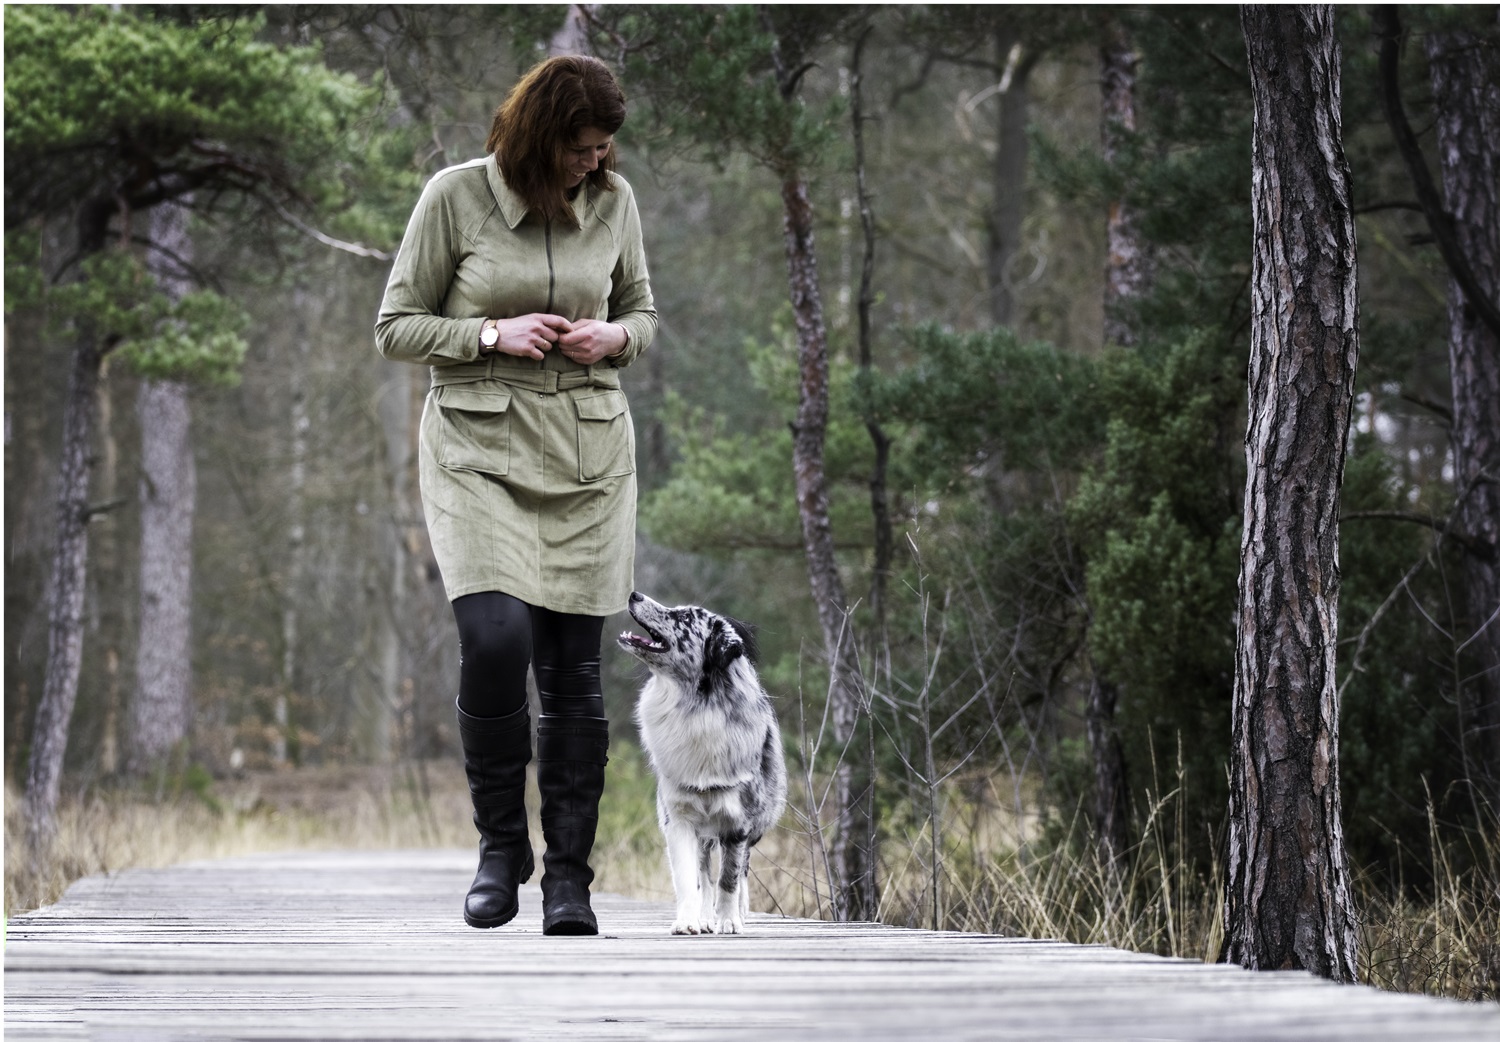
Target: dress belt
<point x="542" y="381"/>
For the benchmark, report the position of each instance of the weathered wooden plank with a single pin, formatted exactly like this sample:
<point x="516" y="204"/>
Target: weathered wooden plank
<point x="371" y="946"/>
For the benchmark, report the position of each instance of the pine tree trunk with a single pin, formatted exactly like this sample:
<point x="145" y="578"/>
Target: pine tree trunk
<point x="1126" y="278"/>
<point x="1288" y="902"/>
<point x="1466" y="93"/>
<point x="854" y="840"/>
<point x="396" y="418"/>
<point x="65" y="612"/>
<point x="69" y="580"/>
<point x="161" y="711"/>
<point x="1009" y="171"/>
<point x="1111" y="797"/>
<point x="1127" y="272"/>
<point x="106" y="575"/>
<point x="880" y="508"/>
<point x="296" y="528"/>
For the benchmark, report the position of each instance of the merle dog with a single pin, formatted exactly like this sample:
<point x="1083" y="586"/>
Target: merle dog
<point x="710" y="732"/>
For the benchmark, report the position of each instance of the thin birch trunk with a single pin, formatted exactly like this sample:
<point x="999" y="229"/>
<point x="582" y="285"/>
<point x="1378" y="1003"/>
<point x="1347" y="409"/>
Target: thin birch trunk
<point x="1287" y="902"/>
<point x="1127" y="272"/>
<point x="1009" y="172"/>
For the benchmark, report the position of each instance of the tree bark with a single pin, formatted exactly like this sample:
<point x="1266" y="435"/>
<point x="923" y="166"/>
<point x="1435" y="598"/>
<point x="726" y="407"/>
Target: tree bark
<point x="1466" y="94"/>
<point x="107" y="575"/>
<point x="69" y="577"/>
<point x="65" y="612"/>
<point x="1111" y="797"/>
<point x="880" y="509"/>
<point x="396" y="421"/>
<point x="1127" y="272"/>
<point x="854" y="891"/>
<point x="161" y="712"/>
<point x="1126" y="279"/>
<point x="296" y="528"/>
<point x="855" y="895"/>
<point x="1288" y="902"/>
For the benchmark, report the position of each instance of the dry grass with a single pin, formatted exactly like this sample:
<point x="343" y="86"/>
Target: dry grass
<point x="993" y="873"/>
<point x="323" y="808"/>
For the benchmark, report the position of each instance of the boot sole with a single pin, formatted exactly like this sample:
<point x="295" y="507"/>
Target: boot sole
<point x="571" y="928"/>
<point x="489" y="924"/>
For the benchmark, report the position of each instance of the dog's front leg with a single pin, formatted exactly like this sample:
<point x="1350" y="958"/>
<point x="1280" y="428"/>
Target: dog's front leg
<point x="682" y="859"/>
<point x="734" y="856"/>
<point x="706" y="885"/>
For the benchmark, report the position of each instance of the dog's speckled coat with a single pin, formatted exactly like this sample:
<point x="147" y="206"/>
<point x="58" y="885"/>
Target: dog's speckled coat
<point x="710" y="732"/>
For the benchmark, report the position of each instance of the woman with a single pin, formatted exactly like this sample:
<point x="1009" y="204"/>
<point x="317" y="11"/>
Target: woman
<point x="522" y="282"/>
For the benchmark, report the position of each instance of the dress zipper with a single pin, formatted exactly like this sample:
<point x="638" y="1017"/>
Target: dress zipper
<point x="551" y="275"/>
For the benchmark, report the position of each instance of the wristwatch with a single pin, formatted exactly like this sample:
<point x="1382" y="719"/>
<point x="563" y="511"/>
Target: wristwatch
<point x="489" y="335"/>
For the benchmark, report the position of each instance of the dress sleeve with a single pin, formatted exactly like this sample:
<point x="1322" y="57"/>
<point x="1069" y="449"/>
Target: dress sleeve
<point x="630" y="301"/>
<point x="410" y="326"/>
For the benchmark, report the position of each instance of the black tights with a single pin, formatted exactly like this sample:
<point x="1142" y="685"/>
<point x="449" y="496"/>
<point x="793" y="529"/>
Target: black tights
<point x="499" y="636"/>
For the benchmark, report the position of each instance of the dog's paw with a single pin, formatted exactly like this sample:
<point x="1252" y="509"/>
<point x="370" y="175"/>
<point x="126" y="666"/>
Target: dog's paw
<point x="731" y="924"/>
<point x="688" y="926"/>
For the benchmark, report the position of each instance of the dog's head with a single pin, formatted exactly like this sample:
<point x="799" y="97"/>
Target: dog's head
<point x="691" y="644"/>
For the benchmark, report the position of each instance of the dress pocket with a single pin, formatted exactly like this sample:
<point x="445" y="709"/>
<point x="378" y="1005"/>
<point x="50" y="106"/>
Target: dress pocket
<point x="606" y="437"/>
<point x="474" y="429"/>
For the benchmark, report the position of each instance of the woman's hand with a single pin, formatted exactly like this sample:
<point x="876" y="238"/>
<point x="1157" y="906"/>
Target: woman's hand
<point x="528" y="336"/>
<point x="591" y="341"/>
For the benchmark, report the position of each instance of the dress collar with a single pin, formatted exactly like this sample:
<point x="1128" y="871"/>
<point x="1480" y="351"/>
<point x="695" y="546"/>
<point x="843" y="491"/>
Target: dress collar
<point x="513" y="208"/>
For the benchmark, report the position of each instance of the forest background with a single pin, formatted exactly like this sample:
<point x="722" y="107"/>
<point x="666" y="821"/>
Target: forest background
<point x="1037" y="309"/>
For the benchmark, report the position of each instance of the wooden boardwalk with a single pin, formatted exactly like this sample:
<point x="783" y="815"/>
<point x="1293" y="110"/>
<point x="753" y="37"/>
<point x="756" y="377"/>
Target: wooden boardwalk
<point x="371" y="946"/>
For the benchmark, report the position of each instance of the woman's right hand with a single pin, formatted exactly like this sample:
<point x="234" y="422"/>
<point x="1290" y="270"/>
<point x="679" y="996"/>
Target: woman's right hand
<point x="528" y="336"/>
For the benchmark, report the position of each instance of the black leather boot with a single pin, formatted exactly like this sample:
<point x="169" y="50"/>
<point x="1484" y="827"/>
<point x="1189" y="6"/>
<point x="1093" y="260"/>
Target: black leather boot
<point x="571" y="754"/>
<point x="496" y="752"/>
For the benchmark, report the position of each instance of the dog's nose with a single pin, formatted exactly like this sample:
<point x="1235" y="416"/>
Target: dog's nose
<point x="634" y="596"/>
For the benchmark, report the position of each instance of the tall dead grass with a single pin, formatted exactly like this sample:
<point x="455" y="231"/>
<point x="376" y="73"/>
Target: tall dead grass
<point x="999" y="872"/>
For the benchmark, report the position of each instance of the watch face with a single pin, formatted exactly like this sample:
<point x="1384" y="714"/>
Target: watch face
<point x="488" y="336"/>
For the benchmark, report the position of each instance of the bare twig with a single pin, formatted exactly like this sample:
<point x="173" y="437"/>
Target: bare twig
<point x="327" y="240"/>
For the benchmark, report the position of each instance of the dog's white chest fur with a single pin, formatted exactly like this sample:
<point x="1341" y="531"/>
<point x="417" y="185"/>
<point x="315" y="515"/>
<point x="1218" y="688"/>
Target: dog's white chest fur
<point x="693" y="745"/>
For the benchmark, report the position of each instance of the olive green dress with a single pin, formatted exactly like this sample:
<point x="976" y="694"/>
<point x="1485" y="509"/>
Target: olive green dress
<point x="527" y="467"/>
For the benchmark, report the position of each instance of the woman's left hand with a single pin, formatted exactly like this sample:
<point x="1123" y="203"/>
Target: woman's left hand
<point x="592" y="341"/>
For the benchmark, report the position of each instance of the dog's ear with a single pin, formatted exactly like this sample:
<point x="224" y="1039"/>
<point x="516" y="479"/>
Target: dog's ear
<point x="747" y="636"/>
<point x="723" y="646"/>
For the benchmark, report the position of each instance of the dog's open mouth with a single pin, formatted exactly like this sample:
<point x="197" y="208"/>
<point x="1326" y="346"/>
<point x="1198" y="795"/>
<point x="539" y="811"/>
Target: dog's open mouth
<point x="652" y="643"/>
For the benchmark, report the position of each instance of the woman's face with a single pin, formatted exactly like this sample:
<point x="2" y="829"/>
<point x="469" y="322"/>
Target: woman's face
<point x="583" y="156"/>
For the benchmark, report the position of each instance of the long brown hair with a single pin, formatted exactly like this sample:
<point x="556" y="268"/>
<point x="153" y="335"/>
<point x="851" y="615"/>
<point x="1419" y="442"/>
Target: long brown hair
<point x="542" y="116"/>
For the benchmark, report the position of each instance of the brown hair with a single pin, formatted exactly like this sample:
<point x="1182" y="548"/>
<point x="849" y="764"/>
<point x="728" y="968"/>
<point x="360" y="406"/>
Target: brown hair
<point x="542" y="116"/>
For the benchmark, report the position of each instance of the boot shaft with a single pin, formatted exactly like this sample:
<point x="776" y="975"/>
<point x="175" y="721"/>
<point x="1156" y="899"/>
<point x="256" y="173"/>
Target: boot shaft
<point x="571" y="755"/>
<point x="496" y="752"/>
